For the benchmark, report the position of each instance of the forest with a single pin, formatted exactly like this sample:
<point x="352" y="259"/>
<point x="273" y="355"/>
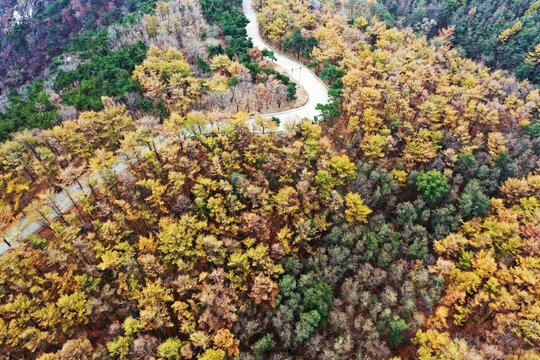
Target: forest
<point x="403" y="222"/>
<point x="502" y="34"/>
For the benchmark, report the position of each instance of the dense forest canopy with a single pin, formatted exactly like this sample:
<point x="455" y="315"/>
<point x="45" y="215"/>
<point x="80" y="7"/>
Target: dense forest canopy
<point x="403" y="222"/>
<point x="502" y="34"/>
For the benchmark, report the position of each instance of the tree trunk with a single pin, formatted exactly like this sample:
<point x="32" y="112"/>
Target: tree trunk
<point x="75" y="205"/>
<point x="29" y="174"/>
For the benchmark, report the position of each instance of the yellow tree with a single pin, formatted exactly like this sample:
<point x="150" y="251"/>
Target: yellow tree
<point x="263" y="125"/>
<point x="165" y="75"/>
<point x="343" y="169"/>
<point x="157" y="191"/>
<point x="356" y="210"/>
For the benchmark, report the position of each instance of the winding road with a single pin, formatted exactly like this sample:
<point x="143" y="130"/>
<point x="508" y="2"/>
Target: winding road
<point x="315" y="87"/>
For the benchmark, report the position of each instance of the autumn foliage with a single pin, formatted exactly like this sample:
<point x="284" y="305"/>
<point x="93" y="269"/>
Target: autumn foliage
<point x="177" y="222"/>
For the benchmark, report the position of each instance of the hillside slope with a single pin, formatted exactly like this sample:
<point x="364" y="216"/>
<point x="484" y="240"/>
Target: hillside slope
<point x="170" y="220"/>
<point x="16" y="11"/>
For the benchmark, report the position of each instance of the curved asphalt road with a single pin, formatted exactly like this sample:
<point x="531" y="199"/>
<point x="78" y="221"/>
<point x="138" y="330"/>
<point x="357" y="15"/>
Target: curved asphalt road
<point x="316" y="89"/>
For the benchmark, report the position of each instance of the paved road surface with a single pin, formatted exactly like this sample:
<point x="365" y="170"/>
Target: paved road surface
<point x="316" y="89"/>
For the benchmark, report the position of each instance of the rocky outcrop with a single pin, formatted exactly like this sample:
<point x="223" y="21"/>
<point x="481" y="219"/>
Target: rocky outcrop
<point x="15" y="11"/>
<point x="27" y="53"/>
